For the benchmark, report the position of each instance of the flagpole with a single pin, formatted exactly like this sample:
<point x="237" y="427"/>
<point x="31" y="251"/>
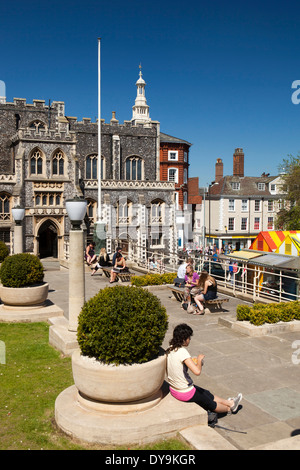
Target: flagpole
<point x="99" y="214"/>
<point x="99" y="235"/>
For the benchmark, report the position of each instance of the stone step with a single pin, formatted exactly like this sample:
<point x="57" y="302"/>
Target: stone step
<point x="205" y="438"/>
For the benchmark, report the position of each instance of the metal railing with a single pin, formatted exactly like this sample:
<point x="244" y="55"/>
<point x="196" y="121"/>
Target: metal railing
<point x="257" y="282"/>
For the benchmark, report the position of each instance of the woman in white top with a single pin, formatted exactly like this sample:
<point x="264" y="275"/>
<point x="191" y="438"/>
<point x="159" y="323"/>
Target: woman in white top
<point x="180" y="363"/>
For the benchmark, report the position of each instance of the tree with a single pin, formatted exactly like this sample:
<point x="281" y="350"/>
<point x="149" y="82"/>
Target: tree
<point x="288" y="218"/>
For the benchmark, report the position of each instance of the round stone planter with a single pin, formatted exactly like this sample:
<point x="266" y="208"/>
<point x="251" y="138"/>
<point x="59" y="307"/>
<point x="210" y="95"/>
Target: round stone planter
<point x="24" y="296"/>
<point x="111" y="384"/>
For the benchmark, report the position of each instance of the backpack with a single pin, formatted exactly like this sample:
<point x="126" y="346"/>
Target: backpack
<point x="212" y="418"/>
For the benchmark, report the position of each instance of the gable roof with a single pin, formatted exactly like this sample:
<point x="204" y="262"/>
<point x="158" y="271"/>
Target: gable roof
<point x="248" y="186"/>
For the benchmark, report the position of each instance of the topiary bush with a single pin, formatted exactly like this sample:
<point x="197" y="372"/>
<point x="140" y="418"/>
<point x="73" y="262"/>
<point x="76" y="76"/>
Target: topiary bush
<point x="4" y="251"/>
<point x="122" y="325"/>
<point x="21" y="270"/>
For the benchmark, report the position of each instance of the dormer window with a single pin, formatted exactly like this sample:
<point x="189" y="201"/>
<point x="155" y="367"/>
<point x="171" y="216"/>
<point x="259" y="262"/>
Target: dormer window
<point x="261" y="186"/>
<point x="235" y="185"/>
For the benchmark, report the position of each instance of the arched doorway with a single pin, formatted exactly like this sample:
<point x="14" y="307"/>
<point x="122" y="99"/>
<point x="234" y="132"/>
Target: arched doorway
<point x="48" y="240"/>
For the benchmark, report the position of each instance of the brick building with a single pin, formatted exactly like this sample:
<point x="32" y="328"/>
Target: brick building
<point x="174" y="164"/>
<point x="47" y="157"/>
<point x="238" y="207"/>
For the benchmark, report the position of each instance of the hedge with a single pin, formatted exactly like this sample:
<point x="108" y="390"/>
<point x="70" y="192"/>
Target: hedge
<point x="153" y="279"/>
<point x="259" y="314"/>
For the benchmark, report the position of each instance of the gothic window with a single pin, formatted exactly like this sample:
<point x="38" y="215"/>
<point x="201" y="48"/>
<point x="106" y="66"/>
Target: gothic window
<point x="91" y="210"/>
<point x="134" y="168"/>
<point x="37" y="125"/>
<point x="124" y="211"/>
<point x="91" y="167"/>
<point x="4" y="207"/>
<point x="58" y="164"/>
<point x="36" y="163"/>
<point x="48" y="199"/>
<point x="157" y="210"/>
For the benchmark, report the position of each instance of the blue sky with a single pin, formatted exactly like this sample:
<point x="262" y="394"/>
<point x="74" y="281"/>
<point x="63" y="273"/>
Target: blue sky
<point x="219" y="74"/>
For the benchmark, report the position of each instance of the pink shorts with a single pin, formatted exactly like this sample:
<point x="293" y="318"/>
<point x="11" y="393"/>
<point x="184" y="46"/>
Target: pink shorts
<point x="182" y="396"/>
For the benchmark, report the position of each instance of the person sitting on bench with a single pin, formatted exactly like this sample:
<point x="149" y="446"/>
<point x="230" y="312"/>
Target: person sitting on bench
<point x="208" y="285"/>
<point x="119" y="267"/>
<point x="103" y="261"/>
<point x="191" y="284"/>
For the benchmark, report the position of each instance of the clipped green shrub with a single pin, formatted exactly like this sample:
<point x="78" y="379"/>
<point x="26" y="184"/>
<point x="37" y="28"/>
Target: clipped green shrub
<point x="259" y="314"/>
<point x="4" y="251"/>
<point x="21" y="270"/>
<point x="122" y="325"/>
<point x="153" y="279"/>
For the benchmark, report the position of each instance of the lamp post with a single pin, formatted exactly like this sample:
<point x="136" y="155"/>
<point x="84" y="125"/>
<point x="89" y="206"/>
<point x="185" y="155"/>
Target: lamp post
<point x="18" y="214"/>
<point x="76" y="209"/>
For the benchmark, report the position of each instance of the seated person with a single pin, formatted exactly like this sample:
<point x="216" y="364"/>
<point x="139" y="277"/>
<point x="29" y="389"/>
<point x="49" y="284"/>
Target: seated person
<point x="103" y="260"/>
<point x="191" y="284"/>
<point x="181" y="272"/>
<point x="208" y="286"/>
<point x="90" y="255"/>
<point x="119" y="267"/>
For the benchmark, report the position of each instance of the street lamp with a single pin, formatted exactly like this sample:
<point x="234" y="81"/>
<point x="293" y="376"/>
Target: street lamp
<point x="18" y="214"/>
<point x="76" y="209"/>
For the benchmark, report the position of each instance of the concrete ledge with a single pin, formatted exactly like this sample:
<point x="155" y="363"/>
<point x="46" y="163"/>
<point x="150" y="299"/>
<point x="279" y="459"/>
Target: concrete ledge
<point x="205" y="438"/>
<point x="290" y="443"/>
<point x="248" y="329"/>
<point x="30" y="314"/>
<point x="60" y="337"/>
<point x="165" y="419"/>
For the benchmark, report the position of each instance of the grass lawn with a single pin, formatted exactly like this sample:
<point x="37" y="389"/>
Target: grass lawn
<point x="32" y="375"/>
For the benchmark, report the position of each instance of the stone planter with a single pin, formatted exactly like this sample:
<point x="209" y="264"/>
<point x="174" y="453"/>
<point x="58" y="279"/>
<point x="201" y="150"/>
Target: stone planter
<point x="108" y="383"/>
<point x="24" y="296"/>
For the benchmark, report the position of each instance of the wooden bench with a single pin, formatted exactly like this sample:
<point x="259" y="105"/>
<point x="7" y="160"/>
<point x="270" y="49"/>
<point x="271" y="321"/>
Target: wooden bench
<point x="217" y="303"/>
<point x="123" y="277"/>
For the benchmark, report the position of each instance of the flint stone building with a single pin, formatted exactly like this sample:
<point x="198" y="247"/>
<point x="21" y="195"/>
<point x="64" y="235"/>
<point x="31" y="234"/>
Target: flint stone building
<point x="47" y="157"/>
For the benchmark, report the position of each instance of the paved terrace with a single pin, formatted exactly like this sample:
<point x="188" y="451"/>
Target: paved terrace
<point x="259" y="367"/>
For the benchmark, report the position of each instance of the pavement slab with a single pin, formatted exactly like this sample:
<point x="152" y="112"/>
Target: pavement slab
<point x="260" y="367"/>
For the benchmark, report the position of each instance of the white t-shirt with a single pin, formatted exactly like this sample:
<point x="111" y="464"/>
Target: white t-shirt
<point x="177" y="371"/>
<point x="182" y="270"/>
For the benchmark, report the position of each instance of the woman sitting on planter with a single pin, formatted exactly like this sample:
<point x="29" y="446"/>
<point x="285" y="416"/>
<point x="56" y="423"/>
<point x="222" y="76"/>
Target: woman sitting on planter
<point x="103" y="261"/>
<point x="119" y="267"/>
<point x="208" y="286"/>
<point x="179" y="363"/>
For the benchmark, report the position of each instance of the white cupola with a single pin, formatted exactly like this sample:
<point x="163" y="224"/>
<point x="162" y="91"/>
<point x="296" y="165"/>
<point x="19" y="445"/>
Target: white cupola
<point x="140" y="110"/>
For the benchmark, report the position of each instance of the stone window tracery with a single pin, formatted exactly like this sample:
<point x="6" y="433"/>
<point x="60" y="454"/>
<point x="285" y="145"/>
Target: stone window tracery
<point x="134" y="169"/>
<point x="58" y="162"/>
<point x="91" y="167"/>
<point x="4" y="207"/>
<point x="36" y="163"/>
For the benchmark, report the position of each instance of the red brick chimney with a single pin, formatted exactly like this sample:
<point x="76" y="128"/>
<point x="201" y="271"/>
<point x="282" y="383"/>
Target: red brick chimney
<point x="219" y="170"/>
<point x="238" y="162"/>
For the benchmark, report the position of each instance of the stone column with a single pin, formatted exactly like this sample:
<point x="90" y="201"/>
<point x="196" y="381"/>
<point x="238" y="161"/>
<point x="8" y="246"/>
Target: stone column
<point x="76" y="277"/>
<point x="18" y="239"/>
